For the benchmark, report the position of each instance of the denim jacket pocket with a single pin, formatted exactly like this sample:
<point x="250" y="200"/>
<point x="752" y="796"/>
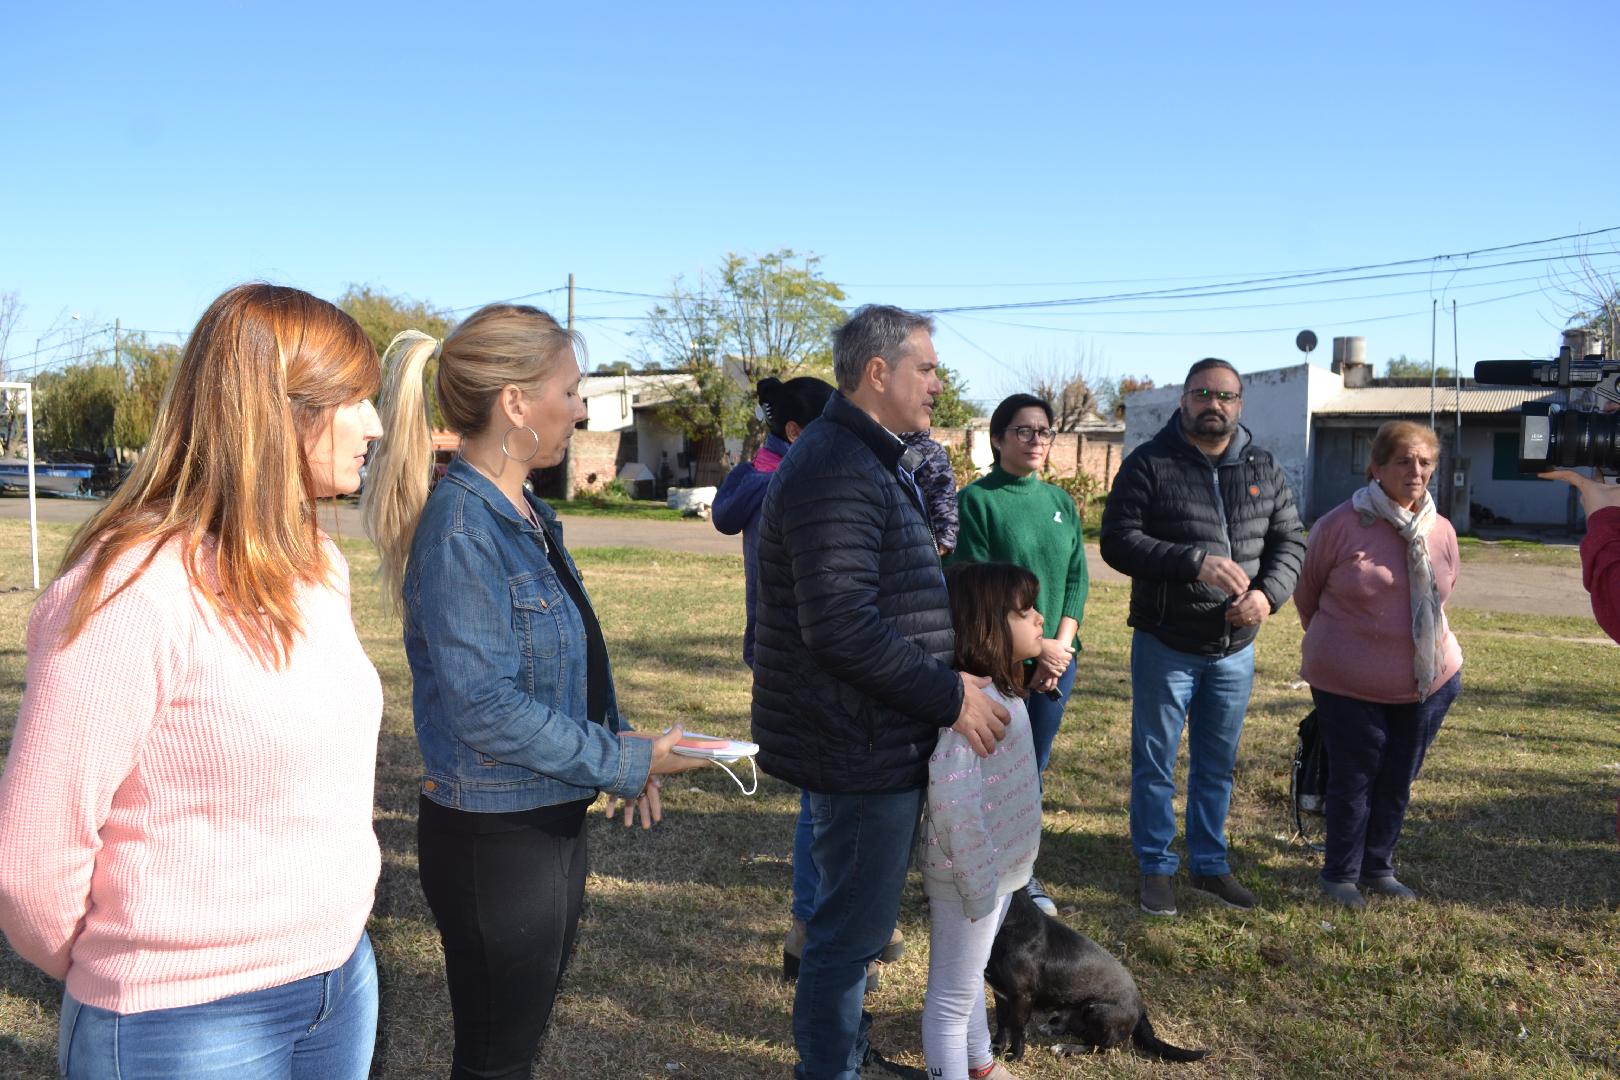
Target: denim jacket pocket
<point x="537" y="614"/>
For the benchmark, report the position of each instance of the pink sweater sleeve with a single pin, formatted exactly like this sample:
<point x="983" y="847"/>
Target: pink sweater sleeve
<point x="1320" y="555"/>
<point x="85" y="711"/>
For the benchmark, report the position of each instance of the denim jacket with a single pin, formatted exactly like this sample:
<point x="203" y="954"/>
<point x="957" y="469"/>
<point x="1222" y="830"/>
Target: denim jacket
<point x="497" y="655"/>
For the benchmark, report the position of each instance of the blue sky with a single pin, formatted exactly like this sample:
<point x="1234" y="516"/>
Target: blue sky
<point x="933" y="155"/>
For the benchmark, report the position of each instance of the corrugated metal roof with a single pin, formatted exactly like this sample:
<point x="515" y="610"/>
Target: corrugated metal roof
<point x="1414" y="400"/>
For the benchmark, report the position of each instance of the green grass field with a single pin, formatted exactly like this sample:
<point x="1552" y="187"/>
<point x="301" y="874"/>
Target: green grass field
<point x="1509" y="968"/>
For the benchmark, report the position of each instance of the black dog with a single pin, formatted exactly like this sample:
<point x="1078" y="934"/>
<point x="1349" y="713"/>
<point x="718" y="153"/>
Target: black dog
<point x="1038" y="963"/>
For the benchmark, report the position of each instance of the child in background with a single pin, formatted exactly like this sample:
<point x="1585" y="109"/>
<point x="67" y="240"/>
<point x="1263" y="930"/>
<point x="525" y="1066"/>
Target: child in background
<point x="982" y="821"/>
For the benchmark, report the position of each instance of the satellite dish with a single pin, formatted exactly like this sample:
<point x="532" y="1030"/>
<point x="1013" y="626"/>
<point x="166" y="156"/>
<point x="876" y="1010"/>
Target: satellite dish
<point x="1306" y="341"/>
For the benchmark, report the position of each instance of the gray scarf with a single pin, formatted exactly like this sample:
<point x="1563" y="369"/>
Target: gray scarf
<point x="1428" y="624"/>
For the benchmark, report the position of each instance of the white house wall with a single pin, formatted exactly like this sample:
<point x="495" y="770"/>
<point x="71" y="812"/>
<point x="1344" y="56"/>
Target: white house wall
<point x="1524" y="502"/>
<point x="607" y="412"/>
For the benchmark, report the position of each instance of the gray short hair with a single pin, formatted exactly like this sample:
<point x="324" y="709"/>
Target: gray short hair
<point x="873" y="330"/>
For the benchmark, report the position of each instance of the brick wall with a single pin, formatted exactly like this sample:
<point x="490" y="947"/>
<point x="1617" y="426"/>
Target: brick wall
<point x="1071" y="452"/>
<point x="596" y="459"/>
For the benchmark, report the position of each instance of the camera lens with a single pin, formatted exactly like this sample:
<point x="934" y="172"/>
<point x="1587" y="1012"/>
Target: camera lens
<point x="1585" y="438"/>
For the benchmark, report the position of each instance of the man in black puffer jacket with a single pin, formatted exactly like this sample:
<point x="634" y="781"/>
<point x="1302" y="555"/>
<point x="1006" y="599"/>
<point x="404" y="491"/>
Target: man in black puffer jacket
<point x="852" y="675"/>
<point x="1203" y="522"/>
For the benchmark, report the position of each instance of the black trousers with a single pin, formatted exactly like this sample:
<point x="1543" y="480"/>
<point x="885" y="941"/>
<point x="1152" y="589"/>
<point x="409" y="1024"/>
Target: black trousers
<point x="1374" y="753"/>
<point x="505" y="891"/>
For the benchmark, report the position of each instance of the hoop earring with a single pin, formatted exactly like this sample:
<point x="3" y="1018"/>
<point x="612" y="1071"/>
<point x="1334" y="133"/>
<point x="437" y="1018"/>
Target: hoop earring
<point x="535" y="435"/>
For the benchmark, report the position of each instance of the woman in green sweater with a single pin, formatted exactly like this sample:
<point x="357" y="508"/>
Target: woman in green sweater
<point x="1012" y="515"/>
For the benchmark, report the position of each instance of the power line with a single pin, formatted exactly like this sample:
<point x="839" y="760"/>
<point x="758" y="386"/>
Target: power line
<point x="1225" y="333"/>
<point x="1234" y="288"/>
<point x="1090" y="312"/>
<point x="1255" y="276"/>
<point x="508" y="300"/>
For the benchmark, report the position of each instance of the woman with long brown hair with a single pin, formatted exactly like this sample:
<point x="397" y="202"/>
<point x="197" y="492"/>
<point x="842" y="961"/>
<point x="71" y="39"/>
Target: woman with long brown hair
<point x="512" y="692"/>
<point x="185" y="816"/>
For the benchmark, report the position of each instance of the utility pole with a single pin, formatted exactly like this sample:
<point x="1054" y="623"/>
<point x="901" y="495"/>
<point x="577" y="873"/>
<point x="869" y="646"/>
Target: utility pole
<point x="118" y="325"/>
<point x="568" y="454"/>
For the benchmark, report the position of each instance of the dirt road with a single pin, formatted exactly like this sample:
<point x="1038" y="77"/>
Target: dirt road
<point x="1493" y="585"/>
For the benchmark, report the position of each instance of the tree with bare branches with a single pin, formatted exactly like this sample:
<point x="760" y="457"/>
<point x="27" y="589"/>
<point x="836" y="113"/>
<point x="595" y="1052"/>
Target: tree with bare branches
<point x="11" y="309"/>
<point x="1591" y="294"/>
<point x="1070" y="384"/>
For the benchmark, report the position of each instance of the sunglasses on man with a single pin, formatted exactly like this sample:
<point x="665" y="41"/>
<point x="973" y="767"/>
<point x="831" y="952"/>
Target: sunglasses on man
<point x="1203" y="394"/>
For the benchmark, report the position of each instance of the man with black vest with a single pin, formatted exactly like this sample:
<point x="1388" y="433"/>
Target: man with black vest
<point x="852" y="675"/>
<point x="1203" y="523"/>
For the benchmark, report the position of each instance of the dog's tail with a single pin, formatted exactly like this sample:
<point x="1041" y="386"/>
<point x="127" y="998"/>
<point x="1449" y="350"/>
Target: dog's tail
<point x="1149" y="1043"/>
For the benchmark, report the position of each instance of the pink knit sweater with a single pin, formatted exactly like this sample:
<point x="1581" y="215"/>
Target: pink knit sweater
<point x="1355" y="603"/>
<point x="982" y="822"/>
<point x="178" y="822"/>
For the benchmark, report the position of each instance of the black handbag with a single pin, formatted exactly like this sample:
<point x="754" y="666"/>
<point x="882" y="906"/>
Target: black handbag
<point x="1308" y="779"/>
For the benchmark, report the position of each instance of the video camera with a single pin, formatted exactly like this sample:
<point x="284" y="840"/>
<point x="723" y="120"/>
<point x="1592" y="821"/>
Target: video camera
<point x="1584" y="430"/>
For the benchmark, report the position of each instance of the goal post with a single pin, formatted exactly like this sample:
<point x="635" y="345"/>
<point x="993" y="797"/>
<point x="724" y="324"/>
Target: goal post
<point x="27" y="391"/>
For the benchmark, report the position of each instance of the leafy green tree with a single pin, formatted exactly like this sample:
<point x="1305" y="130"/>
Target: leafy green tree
<point x="383" y="316"/>
<point x="951" y="409"/>
<point x="75" y="407"/>
<point x="1402" y="368"/>
<point x="146" y="371"/>
<point x="755" y="316"/>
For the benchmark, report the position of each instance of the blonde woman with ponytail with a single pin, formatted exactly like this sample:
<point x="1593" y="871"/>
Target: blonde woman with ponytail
<point x="185" y="815"/>
<point x="513" y="695"/>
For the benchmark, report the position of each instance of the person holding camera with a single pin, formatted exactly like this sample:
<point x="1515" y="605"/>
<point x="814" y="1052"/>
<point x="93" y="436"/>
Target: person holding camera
<point x="1600" y="555"/>
<point x="1379" y="655"/>
<point x="1600" y="550"/>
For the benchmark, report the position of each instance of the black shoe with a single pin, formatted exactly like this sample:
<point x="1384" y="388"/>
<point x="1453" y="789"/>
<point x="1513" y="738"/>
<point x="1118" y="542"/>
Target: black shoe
<point x="1225" y="888"/>
<point x="1157" y="895"/>
<point x="876" y="1067"/>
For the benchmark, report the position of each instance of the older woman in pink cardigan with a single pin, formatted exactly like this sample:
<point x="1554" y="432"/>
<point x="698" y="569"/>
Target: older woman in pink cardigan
<point x="1381" y="660"/>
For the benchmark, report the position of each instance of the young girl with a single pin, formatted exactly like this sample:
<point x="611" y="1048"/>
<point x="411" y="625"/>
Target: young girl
<point x="982" y="824"/>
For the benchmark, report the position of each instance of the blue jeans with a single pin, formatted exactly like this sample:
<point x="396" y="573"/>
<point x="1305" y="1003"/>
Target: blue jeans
<point x="805" y="879"/>
<point x="862" y="849"/>
<point x="1208" y="695"/>
<point x="319" y="1028"/>
<point x="1045" y="715"/>
<point x="1374" y="753"/>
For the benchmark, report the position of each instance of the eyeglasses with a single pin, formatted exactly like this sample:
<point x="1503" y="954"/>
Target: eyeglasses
<point x="1029" y="434"/>
<point x="1222" y="396"/>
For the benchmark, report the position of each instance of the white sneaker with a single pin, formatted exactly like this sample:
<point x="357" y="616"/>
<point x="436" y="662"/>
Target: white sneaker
<point x="1038" y="894"/>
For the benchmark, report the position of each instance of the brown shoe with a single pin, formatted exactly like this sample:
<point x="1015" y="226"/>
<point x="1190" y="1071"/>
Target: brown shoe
<point x="793" y="950"/>
<point x="793" y="955"/>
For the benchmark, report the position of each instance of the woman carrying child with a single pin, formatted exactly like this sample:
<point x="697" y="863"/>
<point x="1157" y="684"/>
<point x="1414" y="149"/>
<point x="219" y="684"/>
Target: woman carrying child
<point x="982" y="821"/>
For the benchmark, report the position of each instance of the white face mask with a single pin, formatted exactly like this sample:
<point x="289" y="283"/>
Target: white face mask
<point x="738" y="780"/>
<point x="722" y="752"/>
